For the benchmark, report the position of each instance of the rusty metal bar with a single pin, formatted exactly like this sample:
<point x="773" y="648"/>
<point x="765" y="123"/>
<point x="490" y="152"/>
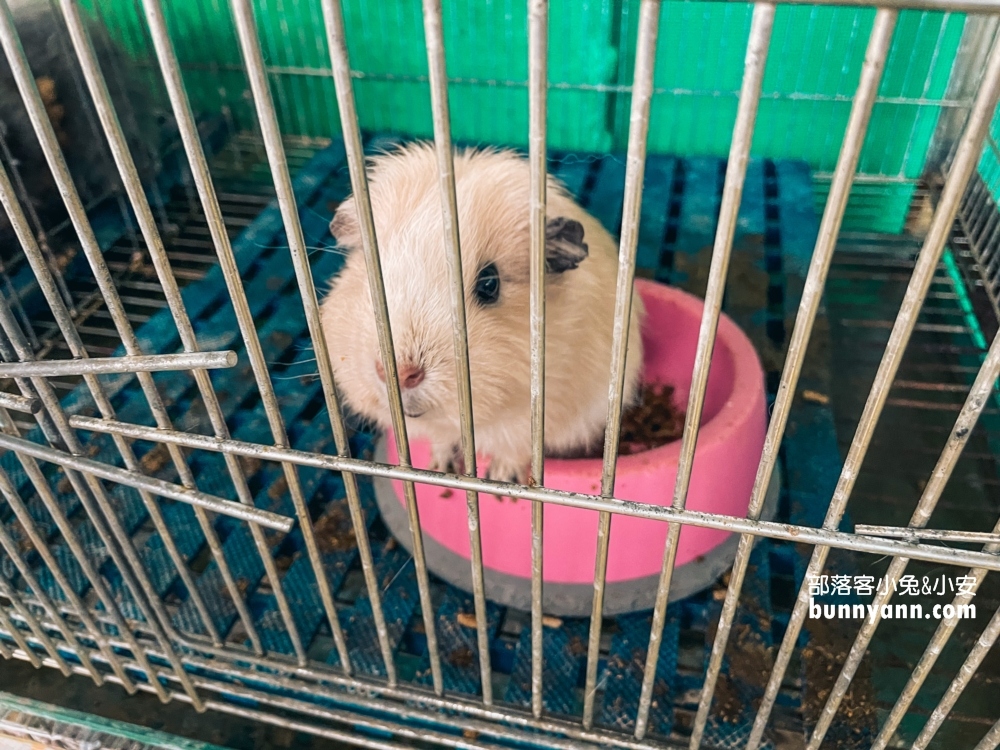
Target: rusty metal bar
<point x="246" y="28"/>
<point x="336" y="39"/>
<point x="642" y="95"/>
<point x="434" y="40"/>
<point x="771" y="529"/>
<point x="972" y="662"/>
<point x="333" y="14"/>
<point x="966" y="158"/>
<point x="106" y="365"/>
<point x="976" y="401"/>
<point x="732" y="191"/>
<point x="914" y="534"/>
<point x="538" y="75"/>
<point x="840" y="187"/>
<point x="20" y="403"/>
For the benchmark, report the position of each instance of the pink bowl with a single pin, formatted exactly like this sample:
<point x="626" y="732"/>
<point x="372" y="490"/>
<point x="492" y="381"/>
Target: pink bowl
<point x="730" y="440"/>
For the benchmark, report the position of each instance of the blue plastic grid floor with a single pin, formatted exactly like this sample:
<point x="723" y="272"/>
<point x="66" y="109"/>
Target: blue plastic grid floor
<point x="775" y="234"/>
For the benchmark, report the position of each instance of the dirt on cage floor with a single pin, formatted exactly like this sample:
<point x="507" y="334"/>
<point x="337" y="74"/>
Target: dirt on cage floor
<point x="865" y="287"/>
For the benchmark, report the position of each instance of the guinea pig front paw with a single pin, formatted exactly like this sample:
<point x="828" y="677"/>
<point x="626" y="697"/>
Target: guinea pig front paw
<point x="447" y="459"/>
<point x="507" y="471"/>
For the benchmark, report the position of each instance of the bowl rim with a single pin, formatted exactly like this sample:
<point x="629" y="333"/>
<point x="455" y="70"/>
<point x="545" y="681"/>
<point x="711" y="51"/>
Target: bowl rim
<point x="737" y="410"/>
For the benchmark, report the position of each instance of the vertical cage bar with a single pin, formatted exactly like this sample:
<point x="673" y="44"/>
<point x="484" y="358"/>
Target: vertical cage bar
<point x="54" y="156"/>
<point x="71" y="336"/>
<point x="44" y="491"/>
<point x="960" y="683"/>
<point x="976" y="401"/>
<point x="538" y="79"/>
<point x="840" y="187"/>
<point x="642" y="94"/>
<point x="930" y="656"/>
<point x="8" y="591"/>
<point x="59" y="35"/>
<point x="18" y="638"/>
<point x="11" y="548"/>
<point x="991" y="740"/>
<point x="98" y="89"/>
<point x="40" y="544"/>
<point x="334" y="22"/>
<point x="89" y="490"/>
<point x="43" y="242"/>
<point x="984" y="211"/>
<point x="359" y="185"/>
<point x="966" y="158"/>
<point x="5" y="652"/>
<point x="15" y="302"/>
<point x="989" y="227"/>
<point x="739" y="154"/>
<point x="246" y="27"/>
<point x="181" y="106"/>
<point x="434" y="36"/>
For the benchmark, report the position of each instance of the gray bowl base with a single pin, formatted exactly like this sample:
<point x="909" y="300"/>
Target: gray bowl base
<point x="561" y="599"/>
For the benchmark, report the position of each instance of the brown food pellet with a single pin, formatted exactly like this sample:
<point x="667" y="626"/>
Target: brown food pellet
<point x="466" y="620"/>
<point x="815" y="397"/>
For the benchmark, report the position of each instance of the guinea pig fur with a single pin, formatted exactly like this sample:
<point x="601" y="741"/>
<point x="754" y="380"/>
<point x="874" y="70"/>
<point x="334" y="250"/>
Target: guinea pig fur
<point x="67" y="102"/>
<point x="493" y="200"/>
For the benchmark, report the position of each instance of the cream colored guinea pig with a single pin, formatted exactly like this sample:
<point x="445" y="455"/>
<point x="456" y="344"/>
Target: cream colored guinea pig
<point x="493" y="201"/>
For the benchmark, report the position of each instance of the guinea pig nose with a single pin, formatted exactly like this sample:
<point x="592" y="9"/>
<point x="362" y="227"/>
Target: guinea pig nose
<point x="410" y="376"/>
<point x="379" y="370"/>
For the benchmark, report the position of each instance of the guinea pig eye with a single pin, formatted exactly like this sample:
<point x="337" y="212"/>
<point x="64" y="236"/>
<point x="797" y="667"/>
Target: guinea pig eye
<point x="487" y="287"/>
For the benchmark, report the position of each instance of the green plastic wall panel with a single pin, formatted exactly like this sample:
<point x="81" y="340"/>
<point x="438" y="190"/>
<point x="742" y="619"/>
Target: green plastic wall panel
<point x="813" y="67"/>
<point x="989" y="163"/>
<point x="487" y="56"/>
<point x="814" y="63"/>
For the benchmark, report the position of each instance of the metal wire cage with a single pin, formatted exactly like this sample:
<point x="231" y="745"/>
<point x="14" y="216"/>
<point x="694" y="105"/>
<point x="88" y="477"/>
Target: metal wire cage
<point x="170" y="532"/>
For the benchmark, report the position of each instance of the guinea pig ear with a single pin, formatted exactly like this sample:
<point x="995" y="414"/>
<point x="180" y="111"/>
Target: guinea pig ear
<point x="564" y="245"/>
<point x="344" y="227"/>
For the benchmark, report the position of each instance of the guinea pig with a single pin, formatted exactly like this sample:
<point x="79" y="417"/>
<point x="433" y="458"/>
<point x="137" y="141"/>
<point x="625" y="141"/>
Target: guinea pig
<point x="581" y="272"/>
<point x="53" y="63"/>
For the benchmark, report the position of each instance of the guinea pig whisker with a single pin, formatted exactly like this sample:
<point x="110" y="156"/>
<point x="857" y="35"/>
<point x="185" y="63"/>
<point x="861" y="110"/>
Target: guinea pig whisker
<point x="316" y="213"/>
<point x="398" y="573"/>
<point x="276" y="362"/>
<point x="268" y="246"/>
<point x="331" y="250"/>
<point x="308" y="376"/>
